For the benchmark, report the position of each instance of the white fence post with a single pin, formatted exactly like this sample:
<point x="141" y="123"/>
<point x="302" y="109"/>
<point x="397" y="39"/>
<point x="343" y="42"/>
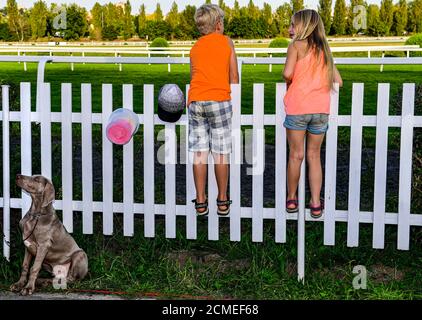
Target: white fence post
<point x="26" y="140"/>
<point x="107" y="107"/>
<point x="406" y="146"/>
<point x="128" y="193"/>
<point x="235" y="166"/>
<point x="67" y="173"/>
<point x="258" y="163"/>
<point x="301" y="217"/>
<point x="331" y="169"/>
<point x="191" y="232"/>
<point x="149" y="161"/>
<point x="381" y="153"/>
<point x="355" y="166"/>
<point x="45" y="114"/>
<point x="6" y="173"/>
<point x="87" y="189"/>
<point x="280" y="165"/>
<point x="170" y="180"/>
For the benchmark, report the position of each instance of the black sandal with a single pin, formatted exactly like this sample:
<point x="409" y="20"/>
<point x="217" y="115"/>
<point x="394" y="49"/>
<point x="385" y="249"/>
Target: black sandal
<point x="319" y="209"/>
<point x="200" y="206"/>
<point x="226" y="203"/>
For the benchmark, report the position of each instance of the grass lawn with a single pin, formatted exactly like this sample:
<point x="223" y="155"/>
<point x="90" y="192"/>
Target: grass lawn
<point x="223" y="268"/>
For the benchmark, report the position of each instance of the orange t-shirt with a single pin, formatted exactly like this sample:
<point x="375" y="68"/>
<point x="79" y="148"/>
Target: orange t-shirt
<point x="210" y="63"/>
<point x="309" y="91"/>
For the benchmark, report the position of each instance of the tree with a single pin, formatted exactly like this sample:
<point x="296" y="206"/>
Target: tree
<point x="283" y="15"/>
<point x="38" y="19"/>
<point x="142" y="20"/>
<point x="339" y="19"/>
<point x="236" y="9"/>
<point x="415" y="16"/>
<point x="324" y="10"/>
<point x="77" y="25"/>
<point x="128" y="28"/>
<point x="158" y="14"/>
<point x="400" y="17"/>
<point x="173" y="15"/>
<point x="253" y="11"/>
<point x="187" y="23"/>
<point x="297" y="5"/>
<point x="17" y="20"/>
<point x="97" y="21"/>
<point x="373" y="20"/>
<point x="386" y="16"/>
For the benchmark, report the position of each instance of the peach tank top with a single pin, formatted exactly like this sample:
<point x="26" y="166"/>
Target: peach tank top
<point x="308" y="92"/>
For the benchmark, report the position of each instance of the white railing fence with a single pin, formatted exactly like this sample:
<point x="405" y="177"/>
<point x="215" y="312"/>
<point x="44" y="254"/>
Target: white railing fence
<point x="149" y="209"/>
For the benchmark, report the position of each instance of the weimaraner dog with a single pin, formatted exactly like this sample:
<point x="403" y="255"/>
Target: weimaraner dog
<point x="46" y="239"/>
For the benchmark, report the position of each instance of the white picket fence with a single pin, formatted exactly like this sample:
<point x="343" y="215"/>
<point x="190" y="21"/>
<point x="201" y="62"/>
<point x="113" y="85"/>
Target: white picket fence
<point x="149" y="209"/>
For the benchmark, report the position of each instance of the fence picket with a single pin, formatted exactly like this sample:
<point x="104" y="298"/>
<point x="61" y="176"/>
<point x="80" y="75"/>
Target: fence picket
<point x="26" y="140"/>
<point x="331" y="170"/>
<point x="213" y="222"/>
<point x="190" y="184"/>
<point x="87" y="189"/>
<point x="45" y="115"/>
<point x="128" y="212"/>
<point x="355" y="166"/>
<point x="380" y="182"/>
<point x="67" y="173"/>
<point x="280" y="165"/>
<point x="107" y="107"/>
<point x="235" y="161"/>
<point x="149" y="161"/>
<point x="6" y="172"/>
<point x="170" y="156"/>
<point x="406" y="146"/>
<point x="258" y="154"/>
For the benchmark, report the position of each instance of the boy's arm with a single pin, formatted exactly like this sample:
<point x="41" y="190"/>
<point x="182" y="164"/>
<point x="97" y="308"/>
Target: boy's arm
<point x="337" y="76"/>
<point x="234" y="72"/>
<point x="291" y="59"/>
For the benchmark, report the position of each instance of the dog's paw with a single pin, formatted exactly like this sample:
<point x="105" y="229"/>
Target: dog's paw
<point x="16" y="287"/>
<point x="27" y="291"/>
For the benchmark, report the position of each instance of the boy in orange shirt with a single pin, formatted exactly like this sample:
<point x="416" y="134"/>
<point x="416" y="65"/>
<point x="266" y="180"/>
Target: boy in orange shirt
<point x="213" y="65"/>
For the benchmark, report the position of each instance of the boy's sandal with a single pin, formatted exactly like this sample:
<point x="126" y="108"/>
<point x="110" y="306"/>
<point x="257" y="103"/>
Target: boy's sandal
<point x="225" y="203"/>
<point x="201" y="206"/>
<point x="316" y="211"/>
<point x="292" y="202"/>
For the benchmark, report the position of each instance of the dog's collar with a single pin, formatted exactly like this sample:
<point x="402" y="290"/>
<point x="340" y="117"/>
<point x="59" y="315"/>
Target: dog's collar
<point x="37" y="215"/>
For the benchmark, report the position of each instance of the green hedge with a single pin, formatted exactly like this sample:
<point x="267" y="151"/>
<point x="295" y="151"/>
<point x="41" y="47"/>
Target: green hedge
<point x="159" y="43"/>
<point x="415" y="39"/>
<point x="279" y="43"/>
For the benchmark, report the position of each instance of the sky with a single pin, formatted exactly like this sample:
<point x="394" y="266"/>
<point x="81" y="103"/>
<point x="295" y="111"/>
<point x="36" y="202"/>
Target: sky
<point x="166" y="4"/>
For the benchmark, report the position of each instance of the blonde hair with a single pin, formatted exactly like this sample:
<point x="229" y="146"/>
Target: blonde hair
<point x="309" y="25"/>
<point x="206" y="18"/>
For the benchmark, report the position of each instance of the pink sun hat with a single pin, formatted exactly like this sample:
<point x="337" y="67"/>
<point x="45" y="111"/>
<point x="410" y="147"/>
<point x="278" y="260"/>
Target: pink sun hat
<point x="122" y="126"/>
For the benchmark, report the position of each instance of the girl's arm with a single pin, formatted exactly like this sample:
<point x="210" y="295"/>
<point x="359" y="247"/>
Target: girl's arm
<point x="234" y="72"/>
<point x="337" y="77"/>
<point x="291" y="59"/>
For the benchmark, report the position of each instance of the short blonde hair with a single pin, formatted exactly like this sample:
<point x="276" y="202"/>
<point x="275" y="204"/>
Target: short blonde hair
<point x="207" y="17"/>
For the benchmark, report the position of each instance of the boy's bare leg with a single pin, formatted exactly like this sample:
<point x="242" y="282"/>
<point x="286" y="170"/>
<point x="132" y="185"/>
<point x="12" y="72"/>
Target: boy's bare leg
<point x="200" y="166"/>
<point x="296" y="154"/>
<point x="221" y="168"/>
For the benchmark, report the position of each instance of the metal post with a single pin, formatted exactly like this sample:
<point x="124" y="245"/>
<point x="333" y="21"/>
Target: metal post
<point x="25" y="67"/>
<point x="382" y="66"/>
<point x="120" y="65"/>
<point x="168" y="66"/>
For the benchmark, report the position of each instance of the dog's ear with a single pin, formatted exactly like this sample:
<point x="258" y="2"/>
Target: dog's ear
<point x="49" y="194"/>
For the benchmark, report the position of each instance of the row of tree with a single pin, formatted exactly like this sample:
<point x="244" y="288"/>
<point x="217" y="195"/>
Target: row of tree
<point x="112" y="21"/>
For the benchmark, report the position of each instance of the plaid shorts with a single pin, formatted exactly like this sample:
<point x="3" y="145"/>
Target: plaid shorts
<point x="210" y="126"/>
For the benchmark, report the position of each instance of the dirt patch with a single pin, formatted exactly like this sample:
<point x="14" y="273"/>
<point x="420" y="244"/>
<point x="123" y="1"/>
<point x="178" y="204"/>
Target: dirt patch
<point x="384" y="274"/>
<point x="205" y="258"/>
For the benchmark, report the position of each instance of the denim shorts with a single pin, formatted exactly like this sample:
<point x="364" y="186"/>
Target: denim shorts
<point x="316" y="123"/>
